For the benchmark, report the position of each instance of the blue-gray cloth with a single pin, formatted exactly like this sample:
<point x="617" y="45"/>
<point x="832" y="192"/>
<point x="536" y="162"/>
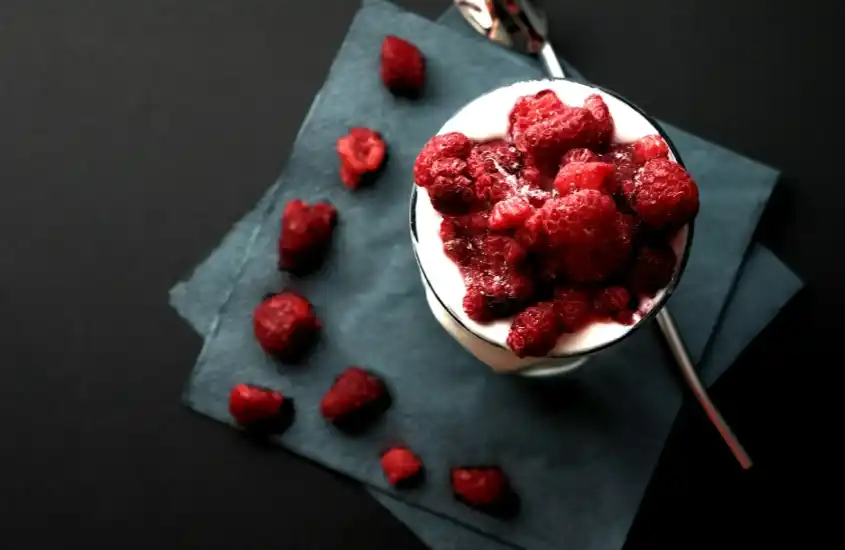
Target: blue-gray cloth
<point x="580" y="451"/>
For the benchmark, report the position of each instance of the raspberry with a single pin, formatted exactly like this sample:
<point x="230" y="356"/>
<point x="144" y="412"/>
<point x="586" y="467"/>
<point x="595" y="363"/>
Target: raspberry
<point x="456" y="233"/>
<point x="548" y="139"/>
<point x="305" y="236"/>
<point x="452" y="195"/>
<point x="493" y="157"/>
<point x="510" y="213"/>
<point x="609" y="252"/>
<point x="285" y="325"/>
<point x="531" y="109"/>
<point x="494" y="251"/>
<point x="534" y="331"/>
<point x="361" y="152"/>
<point x="582" y="175"/>
<point x="485" y="488"/>
<point x="491" y="188"/>
<point x="649" y="147"/>
<point x="401" y="467"/>
<point x="402" y="66"/>
<point x="496" y="294"/>
<point x="355" y="400"/>
<point x="579" y="155"/>
<point x="612" y="299"/>
<point x="573" y="308"/>
<point x="530" y="235"/>
<point x="625" y="317"/>
<point x="451" y="145"/>
<point x="653" y="268"/>
<point x="664" y="194"/>
<point x="581" y="218"/>
<point x="604" y="122"/>
<point x="260" y="409"/>
<point x="622" y="158"/>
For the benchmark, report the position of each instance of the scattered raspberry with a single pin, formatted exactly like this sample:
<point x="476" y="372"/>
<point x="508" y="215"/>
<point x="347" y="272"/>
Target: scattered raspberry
<point x="534" y="331"/>
<point x="573" y="308"/>
<point x="485" y="488"/>
<point x="361" y="152"/>
<point x="650" y="147"/>
<point x="612" y="299"/>
<point x="579" y="155"/>
<point x="665" y="196"/>
<point x="621" y="156"/>
<point x="305" y="236"/>
<point x="548" y="139"/>
<point x="402" y="66"/>
<point x="653" y="268"/>
<point x="251" y="405"/>
<point x="510" y="213"/>
<point x="493" y="157"/>
<point x="581" y="218"/>
<point x="401" y="466"/>
<point x="285" y="325"/>
<point x="451" y="145"/>
<point x="604" y="122"/>
<point x="491" y="188"/>
<point x="582" y="175"/>
<point x="355" y="399"/>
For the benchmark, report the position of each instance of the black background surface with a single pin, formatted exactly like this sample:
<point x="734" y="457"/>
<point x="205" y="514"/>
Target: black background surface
<point x="135" y="133"/>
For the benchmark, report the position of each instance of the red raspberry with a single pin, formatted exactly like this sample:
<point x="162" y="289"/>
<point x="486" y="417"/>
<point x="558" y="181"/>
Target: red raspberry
<point x="361" y="152"/>
<point x="285" y="325"/>
<point x="653" y="268"/>
<point x="610" y="252"/>
<point x="255" y="406"/>
<point x="485" y="488"/>
<point x="548" y="139"/>
<point x="581" y="218"/>
<point x="573" y="308"/>
<point x="456" y="233"/>
<point x="401" y="466"/>
<point x="582" y="175"/>
<point x="621" y="156"/>
<point x="579" y="155"/>
<point x="534" y="331"/>
<point x="452" y="195"/>
<point x="604" y="122"/>
<point x="451" y="145"/>
<point x="491" y="188"/>
<point x="612" y="299"/>
<point x="402" y="66"/>
<point x="495" y="251"/>
<point x="493" y="157"/>
<point x="496" y="295"/>
<point x="665" y="196"/>
<point x="355" y="399"/>
<point x="625" y="317"/>
<point x="510" y="213"/>
<point x="530" y="235"/>
<point x="305" y="236"/>
<point x="650" y="147"/>
<point x="531" y="109"/>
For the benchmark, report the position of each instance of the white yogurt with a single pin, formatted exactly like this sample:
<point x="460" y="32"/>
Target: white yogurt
<point x="487" y="118"/>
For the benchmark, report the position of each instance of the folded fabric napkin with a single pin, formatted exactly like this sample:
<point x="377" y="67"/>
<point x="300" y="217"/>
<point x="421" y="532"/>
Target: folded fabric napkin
<point x="580" y="449"/>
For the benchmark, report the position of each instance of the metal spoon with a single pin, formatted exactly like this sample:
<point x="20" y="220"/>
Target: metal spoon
<point x="519" y="25"/>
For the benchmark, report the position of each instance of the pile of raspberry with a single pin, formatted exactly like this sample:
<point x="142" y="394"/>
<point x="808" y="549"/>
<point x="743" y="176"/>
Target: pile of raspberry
<point x="555" y="225"/>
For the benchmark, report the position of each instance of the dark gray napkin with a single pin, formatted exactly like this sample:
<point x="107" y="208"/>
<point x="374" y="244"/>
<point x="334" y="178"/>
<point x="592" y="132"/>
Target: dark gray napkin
<point x="212" y="380"/>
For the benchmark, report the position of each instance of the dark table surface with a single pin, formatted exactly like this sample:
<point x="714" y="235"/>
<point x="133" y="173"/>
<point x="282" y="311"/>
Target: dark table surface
<point x="135" y="133"/>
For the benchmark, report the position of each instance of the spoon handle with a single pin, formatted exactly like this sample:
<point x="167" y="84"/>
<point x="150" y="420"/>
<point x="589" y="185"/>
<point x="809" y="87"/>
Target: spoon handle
<point x="550" y="62"/>
<point x="676" y="345"/>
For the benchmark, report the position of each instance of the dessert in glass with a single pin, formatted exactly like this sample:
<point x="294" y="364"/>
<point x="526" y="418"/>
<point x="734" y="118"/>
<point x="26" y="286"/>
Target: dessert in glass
<point x="550" y="220"/>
